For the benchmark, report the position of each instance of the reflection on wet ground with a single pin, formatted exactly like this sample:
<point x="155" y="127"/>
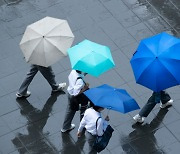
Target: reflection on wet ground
<point x="36" y="120"/>
<point x="32" y="125"/>
<point x="145" y="135"/>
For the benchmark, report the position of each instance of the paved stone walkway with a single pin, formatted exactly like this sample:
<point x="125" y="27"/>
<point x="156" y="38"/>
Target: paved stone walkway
<point x="32" y="125"/>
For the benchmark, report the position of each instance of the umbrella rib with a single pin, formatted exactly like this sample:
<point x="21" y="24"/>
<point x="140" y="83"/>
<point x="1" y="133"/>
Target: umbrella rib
<point x="52" y="44"/>
<point x="55" y="27"/>
<point x="31" y="40"/>
<point x="33" y="50"/>
<point x="161" y="65"/>
<point x="59" y="36"/>
<point x="168" y="71"/>
<point x="35" y="31"/>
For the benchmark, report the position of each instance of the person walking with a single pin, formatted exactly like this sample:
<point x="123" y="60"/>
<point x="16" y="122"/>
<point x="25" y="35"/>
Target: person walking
<point x="91" y="116"/>
<point x="48" y="74"/>
<point x="76" y="99"/>
<point x="156" y="97"/>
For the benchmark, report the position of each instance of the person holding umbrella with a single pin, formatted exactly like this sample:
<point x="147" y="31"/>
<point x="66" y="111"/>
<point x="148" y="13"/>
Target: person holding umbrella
<point x="156" y="97"/>
<point x="92" y="115"/>
<point x="44" y="43"/>
<point x="155" y="65"/>
<point x="76" y="99"/>
<point x="48" y="74"/>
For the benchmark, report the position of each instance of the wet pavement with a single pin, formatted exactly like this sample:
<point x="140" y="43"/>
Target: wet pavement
<point x="32" y="125"/>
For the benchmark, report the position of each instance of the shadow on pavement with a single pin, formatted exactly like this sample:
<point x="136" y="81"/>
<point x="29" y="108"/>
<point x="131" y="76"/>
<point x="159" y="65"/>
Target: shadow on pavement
<point x="69" y="146"/>
<point x="142" y="139"/>
<point x="35" y="140"/>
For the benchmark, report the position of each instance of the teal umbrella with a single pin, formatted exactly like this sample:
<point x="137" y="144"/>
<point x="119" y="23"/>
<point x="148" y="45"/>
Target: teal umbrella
<point x="90" y="57"/>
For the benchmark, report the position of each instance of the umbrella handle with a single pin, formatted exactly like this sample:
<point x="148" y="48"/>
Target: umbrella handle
<point x="108" y="111"/>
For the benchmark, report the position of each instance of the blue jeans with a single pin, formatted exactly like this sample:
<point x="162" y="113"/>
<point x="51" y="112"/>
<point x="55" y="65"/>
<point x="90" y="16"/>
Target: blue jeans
<point x="152" y="101"/>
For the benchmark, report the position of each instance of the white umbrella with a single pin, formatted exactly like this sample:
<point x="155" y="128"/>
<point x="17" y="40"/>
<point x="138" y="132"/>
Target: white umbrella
<point x="46" y="41"/>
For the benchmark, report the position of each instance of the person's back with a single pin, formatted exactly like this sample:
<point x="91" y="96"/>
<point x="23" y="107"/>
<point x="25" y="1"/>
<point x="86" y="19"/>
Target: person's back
<point x="76" y="99"/>
<point x="95" y="125"/>
<point x="75" y="83"/>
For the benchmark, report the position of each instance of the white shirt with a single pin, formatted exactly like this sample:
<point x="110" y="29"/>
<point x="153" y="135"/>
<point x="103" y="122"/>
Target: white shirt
<point x="89" y="122"/>
<point x="75" y="85"/>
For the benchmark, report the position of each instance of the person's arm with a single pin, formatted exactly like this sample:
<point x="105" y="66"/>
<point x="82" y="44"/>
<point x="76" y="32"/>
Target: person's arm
<point x="81" y="126"/>
<point x="86" y="86"/>
<point x="80" y="87"/>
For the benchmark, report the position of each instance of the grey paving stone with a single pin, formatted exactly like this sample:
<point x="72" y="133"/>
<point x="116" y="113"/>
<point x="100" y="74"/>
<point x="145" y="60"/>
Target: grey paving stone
<point x="116" y="32"/>
<point x="8" y="105"/>
<point x="145" y="11"/>
<point x="4" y="128"/>
<point x="9" y="13"/>
<point x="96" y="34"/>
<point x="99" y="12"/>
<point x="3" y="33"/>
<point x="128" y="18"/>
<point x="134" y="3"/>
<point x="116" y="7"/>
<point x="15" y="120"/>
<point x="140" y="31"/>
<point x="6" y="143"/>
<point x="169" y="11"/>
<point x="157" y="25"/>
<point x="172" y="148"/>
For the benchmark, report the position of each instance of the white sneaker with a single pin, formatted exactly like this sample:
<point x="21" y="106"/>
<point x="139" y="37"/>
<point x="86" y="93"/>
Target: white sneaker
<point x="138" y="118"/>
<point x="169" y="103"/>
<point x="61" y="86"/>
<point x="71" y="128"/>
<point x="28" y="93"/>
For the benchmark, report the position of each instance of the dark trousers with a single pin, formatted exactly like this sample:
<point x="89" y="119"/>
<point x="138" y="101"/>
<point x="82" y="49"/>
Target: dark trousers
<point x="91" y="139"/>
<point x="152" y="101"/>
<point x="47" y="72"/>
<point x="75" y="103"/>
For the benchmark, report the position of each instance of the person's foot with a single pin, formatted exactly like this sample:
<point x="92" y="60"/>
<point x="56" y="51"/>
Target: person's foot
<point x="66" y="130"/>
<point x="28" y="93"/>
<point x="169" y="103"/>
<point x="60" y="87"/>
<point x="138" y="118"/>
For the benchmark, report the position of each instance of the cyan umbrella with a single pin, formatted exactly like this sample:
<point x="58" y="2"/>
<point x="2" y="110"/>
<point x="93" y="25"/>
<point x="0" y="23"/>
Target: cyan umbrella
<point x="90" y="57"/>
<point x="112" y="98"/>
<point x="156" y="63"/>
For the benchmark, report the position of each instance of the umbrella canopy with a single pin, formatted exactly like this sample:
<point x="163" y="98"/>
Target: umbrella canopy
<point x="156" y="62"/>
<point x="112" y="98"/>
<point x="46" y="41"/>
<point x="91" y="58"/>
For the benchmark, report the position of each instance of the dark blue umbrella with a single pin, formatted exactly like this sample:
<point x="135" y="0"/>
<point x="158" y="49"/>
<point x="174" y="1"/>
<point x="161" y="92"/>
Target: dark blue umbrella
<point x="112" y="98"/>
<point x="156" y="63"/>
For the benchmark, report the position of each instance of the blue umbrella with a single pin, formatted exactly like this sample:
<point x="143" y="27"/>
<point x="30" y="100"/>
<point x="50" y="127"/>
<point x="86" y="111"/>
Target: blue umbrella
<point x="90" y="57"/>
<point x="112" y="98"/>
<point x="156" y="63"/>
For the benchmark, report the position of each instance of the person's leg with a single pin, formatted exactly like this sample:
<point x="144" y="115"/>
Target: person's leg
<point x="68" y="116"/>
<point x="29" y="77"/>
<point x="48" y="74"/>
<point x="144" y="112"/>
<point x="83" y="103"/>
<point x="165" y="99"/>
<point x="90" y="138"/>
<point x="152" y="101"/>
